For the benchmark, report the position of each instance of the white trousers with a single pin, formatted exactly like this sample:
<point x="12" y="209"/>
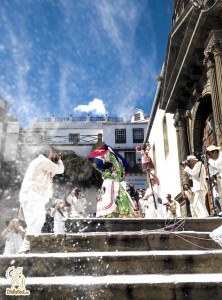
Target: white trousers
<point x="152" y="212"/>
<point x="156" y="213"/>
<point x="199" y="206"/>
<point x="34" y="213"/>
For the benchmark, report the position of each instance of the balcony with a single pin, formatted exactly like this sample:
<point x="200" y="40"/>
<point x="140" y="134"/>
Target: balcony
<point x="71" y="119"/>
<point x="34" y="138"/>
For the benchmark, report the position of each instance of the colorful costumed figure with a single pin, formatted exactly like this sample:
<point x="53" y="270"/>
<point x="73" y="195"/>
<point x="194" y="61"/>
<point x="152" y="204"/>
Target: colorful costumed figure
<point x="146" y="160"/>
<point x="147" y="164"/>
<point x="113" y="200"/>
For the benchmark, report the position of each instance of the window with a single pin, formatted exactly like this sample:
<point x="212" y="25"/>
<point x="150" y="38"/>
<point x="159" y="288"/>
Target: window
<point x="130" y="157"/>
<point x="100" y="138"/>
<point x="120" y="136"/>
<point x="154" y="158"/>
<point x="165" y="137"/>
<point x="137" y="117"/>
<point x="74" y="138"/>
<point x="138" y="135"/>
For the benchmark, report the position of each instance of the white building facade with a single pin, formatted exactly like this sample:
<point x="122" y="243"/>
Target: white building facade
<point x="124" y="137"/>
<point x="65" y="134"/>
<point x="80" y="134"/>
<point x="162" y="135"/>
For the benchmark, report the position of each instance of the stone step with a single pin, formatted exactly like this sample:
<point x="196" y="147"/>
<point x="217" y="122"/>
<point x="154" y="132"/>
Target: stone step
<point x="114" y="263"/>
<point x="107" y="225"/>
<point x="124" y="287"/>
<point x="122" y="259"/>
<point x="122" y="241"/>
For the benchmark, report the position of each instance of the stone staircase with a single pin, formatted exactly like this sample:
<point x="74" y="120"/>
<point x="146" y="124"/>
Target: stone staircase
<point x="122" y="260"/>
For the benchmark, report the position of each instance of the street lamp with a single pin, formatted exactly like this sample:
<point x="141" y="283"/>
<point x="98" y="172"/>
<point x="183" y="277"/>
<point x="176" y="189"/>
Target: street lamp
<point x="205" y="5"/>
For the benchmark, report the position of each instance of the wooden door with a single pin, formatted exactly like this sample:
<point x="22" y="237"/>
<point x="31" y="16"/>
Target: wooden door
<point x="209" y="138"/>
<point x="209" y="135"/>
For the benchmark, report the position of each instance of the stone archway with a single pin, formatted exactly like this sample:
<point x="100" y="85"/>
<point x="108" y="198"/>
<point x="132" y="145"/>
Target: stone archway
<point x="204" y="129"/>
<point x="204" y="134"/>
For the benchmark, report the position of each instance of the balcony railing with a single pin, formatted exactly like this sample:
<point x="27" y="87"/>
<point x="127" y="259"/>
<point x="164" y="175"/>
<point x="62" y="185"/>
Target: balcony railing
<point x="36" y="139"/>
<point x="78" y="119"/>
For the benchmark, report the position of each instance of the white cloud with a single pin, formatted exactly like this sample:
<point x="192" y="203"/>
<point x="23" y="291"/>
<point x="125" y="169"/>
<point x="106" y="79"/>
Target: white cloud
<point x="2" y="47"/>
<point x="96" y="106"/>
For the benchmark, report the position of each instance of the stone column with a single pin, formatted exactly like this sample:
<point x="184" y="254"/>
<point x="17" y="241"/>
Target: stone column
<point x="181" y="129"/>
<point x="217" y="51"/>
<point x="182" y="139"/>
<point x="213" y="61"/>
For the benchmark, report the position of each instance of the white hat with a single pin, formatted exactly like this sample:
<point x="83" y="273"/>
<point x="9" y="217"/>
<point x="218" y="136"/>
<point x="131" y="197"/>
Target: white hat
<point x="191" y="157"/>
<point x="212" y="148"/>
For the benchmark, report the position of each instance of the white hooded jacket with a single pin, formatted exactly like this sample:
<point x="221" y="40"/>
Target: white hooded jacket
<point x="198" y="175"/>
<point x="38" y="178"/>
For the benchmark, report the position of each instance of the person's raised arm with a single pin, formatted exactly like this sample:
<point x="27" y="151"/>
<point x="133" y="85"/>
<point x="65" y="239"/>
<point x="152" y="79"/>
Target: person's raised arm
<point x="53" y="211"/>
<point x="155" y="178"/>
<point x="19" y="229"/>
<point x="195" y="170"/>
<point x="54" y="168"/>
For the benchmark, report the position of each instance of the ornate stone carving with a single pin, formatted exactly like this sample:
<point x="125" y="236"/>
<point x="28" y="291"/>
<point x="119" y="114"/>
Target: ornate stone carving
<point x="209" y="60"/>
<point x="181" y="125"/>
<point x="217" y="47"/>
<point x="214" y="43"/>
<point x="179" y="118"/>
<point x="188" y="114"/>
<point x="213" y="61"/>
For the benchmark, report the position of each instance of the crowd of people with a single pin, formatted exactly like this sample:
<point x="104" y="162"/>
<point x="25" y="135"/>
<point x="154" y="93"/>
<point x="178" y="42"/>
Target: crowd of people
<point x="116" y="199"/>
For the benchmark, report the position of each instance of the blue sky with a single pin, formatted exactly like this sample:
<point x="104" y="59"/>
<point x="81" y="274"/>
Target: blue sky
<point x="79" y="57"/>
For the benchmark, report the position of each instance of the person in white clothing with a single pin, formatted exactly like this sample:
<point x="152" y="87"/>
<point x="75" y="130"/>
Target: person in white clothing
<point x="146" y="211"/>
<point x="14" y="234"/>
<point x="60" y="212"/>
<point x="152" y="195"/>
<point x="78" y="203"/>
<point x="214" y="157"/>
<point x="142" y="205"/>
<point x="36" y="190"/>
<point x="172" y="207"/>
<point x="197" y="172"/>
<point x="188" y="195"/>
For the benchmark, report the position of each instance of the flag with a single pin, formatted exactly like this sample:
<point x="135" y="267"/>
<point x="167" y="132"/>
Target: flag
<point x="118" y="156"/>
<point x="97" y="157"/>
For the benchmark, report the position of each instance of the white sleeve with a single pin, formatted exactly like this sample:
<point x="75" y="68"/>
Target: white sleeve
<point x="195" y="170"/>
<point x="215" y="165"/>
<point x="147" y="192"/>
<point x="50" y="166"/>
<point x="212" y="169"/>
<point x="70" y="199"/>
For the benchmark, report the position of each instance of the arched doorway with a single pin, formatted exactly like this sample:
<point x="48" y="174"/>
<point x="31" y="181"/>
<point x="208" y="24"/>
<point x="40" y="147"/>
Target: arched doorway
<point x="204" y="129"/>
<point x="204" y="136"/>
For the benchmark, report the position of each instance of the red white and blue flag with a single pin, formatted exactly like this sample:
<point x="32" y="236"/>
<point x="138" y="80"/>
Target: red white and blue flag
<point x="97" y="157"/>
